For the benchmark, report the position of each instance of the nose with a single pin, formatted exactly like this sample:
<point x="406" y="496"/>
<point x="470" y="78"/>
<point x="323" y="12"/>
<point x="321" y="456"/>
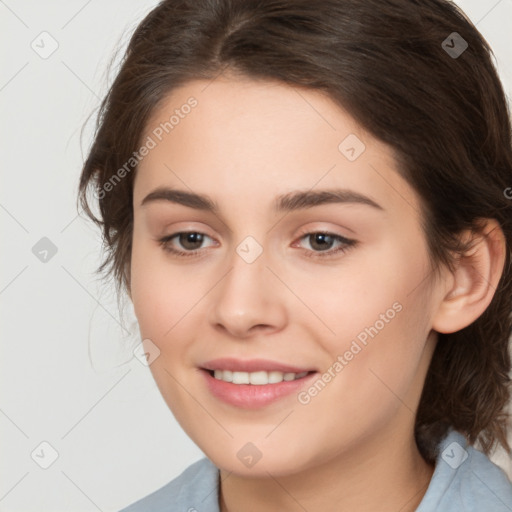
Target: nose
<point x="248" y="300"/>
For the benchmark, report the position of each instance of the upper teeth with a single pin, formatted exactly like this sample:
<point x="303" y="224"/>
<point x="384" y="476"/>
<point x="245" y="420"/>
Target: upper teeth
<point x="258" y="378"/>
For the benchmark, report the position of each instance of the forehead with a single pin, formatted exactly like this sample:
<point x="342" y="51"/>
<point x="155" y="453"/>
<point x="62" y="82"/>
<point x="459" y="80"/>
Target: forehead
<point x="262" y="108"/>
<point x="262" y="138"/>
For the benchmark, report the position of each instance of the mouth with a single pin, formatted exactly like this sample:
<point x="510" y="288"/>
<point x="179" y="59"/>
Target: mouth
<point x="257" y="378"/>
<point x="254" y="390"/>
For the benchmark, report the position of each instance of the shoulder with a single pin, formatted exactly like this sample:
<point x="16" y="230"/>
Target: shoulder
<point x="194" y="489"/>
<point x="466" y="479"/>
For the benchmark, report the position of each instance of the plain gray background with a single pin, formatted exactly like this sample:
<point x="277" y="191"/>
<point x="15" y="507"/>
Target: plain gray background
<point x="68" y="377"/>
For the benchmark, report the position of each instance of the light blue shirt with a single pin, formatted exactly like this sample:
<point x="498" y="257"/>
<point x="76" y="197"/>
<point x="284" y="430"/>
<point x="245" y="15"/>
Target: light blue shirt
<point x="464" y="480"/>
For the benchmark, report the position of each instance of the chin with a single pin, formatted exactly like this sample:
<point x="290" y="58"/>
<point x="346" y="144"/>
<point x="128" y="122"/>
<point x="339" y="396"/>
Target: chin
<point x="251" y="461"/>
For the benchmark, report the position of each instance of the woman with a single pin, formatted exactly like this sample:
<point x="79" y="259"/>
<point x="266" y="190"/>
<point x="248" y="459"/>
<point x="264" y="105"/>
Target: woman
<point x="307" y="205"/>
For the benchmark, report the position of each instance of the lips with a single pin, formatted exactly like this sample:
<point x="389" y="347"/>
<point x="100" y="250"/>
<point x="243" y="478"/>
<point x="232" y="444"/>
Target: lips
<point x="253" y="365"/>
<point x="256" y="394"/>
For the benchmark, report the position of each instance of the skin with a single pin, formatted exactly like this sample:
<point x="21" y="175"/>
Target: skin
<point x="244" y="144"/>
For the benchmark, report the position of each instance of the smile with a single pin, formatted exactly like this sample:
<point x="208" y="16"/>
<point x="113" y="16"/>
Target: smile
<point x="259" y="378"/>
<point x="253" y="383"/>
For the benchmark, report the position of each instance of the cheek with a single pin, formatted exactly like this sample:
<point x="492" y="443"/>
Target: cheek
<point x="380" y="320"/>
<point x="367" y="289"/>
<point x="163" y="298"/>
<point x="162" y="293"/>
<point x="372" y="375"/>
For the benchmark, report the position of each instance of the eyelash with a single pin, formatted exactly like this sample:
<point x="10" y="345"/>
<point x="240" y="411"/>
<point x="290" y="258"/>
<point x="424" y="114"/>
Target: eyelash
<point x="347" y="244"/>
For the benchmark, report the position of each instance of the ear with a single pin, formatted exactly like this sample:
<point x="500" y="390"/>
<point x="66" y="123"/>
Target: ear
<point x="473" y="282"/>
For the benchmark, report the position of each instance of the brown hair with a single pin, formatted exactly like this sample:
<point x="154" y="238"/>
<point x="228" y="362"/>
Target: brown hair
<point x="385" y="63"/>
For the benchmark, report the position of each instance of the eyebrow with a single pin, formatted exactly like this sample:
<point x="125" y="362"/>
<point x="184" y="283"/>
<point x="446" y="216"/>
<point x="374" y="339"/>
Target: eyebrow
<point x="291" y="201"/>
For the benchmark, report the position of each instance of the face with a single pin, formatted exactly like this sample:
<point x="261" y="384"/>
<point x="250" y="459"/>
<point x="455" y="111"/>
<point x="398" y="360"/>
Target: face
<point x="303" y="253"/>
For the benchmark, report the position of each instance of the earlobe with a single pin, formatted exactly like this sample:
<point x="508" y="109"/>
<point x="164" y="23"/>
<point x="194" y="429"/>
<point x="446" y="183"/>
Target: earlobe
<point x="474" y="280"/>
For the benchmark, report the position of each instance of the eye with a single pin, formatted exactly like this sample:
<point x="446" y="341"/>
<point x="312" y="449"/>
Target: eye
<point x="191" y="241"/>
<point x="321" y="244"/>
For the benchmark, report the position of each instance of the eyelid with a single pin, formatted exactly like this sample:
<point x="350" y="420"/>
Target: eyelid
<point x="319" y="229"/>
